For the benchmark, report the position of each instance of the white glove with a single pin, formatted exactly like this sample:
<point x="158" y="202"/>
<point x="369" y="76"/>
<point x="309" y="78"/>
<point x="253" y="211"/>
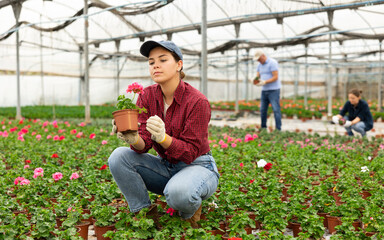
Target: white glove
<point x="261" y="83"/>
<point x="335" y="119"/>
<point x="130" y="137"/>
<point x="347" y="124"/>
<point x="156" y="127"/>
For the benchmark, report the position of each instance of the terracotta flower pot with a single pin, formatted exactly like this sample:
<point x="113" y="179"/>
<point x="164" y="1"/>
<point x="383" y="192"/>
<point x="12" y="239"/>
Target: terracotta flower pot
<point x="332" y="223"/>
<point x="100" y="231"/>
<point x="324" y="215"/>
<point x="82" y="229"/>
<point x="296" y="228"/>
<point x="126" y="120"/>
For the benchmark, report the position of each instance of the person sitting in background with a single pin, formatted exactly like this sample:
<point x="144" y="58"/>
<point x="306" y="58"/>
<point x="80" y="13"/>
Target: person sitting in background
<point x="359" y="116"/>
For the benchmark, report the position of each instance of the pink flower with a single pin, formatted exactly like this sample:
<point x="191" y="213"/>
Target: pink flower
<point x="38" y="136"/>
<point x="5" y="134"/>
<point x="215" y="145"/>
<point x="62" y="138"/>
<point x="92" y="136"/>
<point x="79" y="135"/>
<point x="26" y="166"/>
<point x="135" y="87"/>
<point x="104" y="142"/>
<point x="74" y="175"/>
<point x="56" y="138"/>
<point x="233" y="145"/>
<point x="171" y="211"/>
<point x="49" y="137"/>
<point x="73" y="131"/>
<point x="255" y="136"/>
<point x="21" y="138"/>
<point x="248" y="138"/>
<point x="18" y="180"/>
<point x="38" y="172"/>
<point x="224" y="145"/>
<point x="221" y="142"/>
<point x="82" y="124"/>
<point x="69" y="209"/>
<point x="57" y="176"/>
<point x="241" y="164"/>
<point x="25" y="182"/>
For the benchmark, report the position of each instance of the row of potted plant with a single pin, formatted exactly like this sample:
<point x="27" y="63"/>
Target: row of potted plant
<point x="54" y="175"/>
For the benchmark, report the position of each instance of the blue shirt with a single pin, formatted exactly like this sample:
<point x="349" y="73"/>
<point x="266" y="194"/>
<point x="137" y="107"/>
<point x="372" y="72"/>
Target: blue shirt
<point x="361" y="110"/>
<point x="265" y="70"/>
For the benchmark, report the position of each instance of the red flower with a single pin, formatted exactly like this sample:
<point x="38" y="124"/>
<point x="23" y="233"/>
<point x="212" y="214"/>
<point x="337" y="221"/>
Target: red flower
<point x="251" y="181"/>
<point x="55" y="155"/>
<point x="241" y="164"/>
<point x="171" y="211"/>
<point x="103" y="167"/>
<point x="21" y="122"/>
<point x="27" y="161"/>
<point x="92" y="136"/>
<point x="235" y="238"/>
<point x="268" y="166"/>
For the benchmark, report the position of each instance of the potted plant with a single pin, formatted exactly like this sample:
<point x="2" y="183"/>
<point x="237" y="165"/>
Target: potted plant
<point x="127" y="114"/>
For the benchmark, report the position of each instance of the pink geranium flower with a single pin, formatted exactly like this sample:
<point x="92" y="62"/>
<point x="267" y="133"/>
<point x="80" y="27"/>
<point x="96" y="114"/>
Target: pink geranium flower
<point x="79" y="135"/>
<point x="25" y="182"/>
<point x="171" y="211"/>
<point x="57" y="176"/>
<point x="38" y="136"/>
<point x="224" y="145"/>
<point x="233" y="145"/>
<point x="18" y="180"/>
<point x="104" y="142"/>
<point x="248" y="138"/>
<point x="38" y="172"/>
<point x="26" y="166"/>
<point x="92" y="136"/>
<point x="49" y="137"/>
<point x="82" y="124"/>
<point x="73" y="131"/>
<point x="135" y="87"/>
<point x="74" y="175"/>
<point x="56" y="138"/>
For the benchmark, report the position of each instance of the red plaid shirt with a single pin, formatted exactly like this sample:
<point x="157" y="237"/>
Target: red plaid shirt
<point x="186" y="122"/>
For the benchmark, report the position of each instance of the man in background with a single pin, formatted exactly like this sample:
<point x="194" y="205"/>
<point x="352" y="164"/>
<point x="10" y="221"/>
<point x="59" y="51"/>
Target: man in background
<point x="268" y="78"/>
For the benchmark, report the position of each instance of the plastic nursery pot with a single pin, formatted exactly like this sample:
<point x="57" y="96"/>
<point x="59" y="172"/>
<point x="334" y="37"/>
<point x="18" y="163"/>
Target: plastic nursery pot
<point x="82" y="229"/>
<point x="126" y="120"/>
<point x="100" y="231"/>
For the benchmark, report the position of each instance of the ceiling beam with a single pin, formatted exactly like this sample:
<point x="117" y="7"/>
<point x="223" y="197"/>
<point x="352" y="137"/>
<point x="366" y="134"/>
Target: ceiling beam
<point x="241" y="19"/>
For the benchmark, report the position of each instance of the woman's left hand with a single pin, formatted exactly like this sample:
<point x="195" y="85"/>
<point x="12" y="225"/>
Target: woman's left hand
<point x="156" y="127"/>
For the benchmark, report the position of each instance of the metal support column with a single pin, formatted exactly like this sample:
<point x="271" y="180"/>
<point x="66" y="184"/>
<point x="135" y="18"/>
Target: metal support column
<point x="306" y="78"/>
<point x="86" y="65"/>
<point x="329" y="85"/>
<point x="246" y="82"/>
<point x="237" y="30"/>
<point x="296" y="81"/>
<point x="81" y="79"/>
<point x="42" y="98"/>
<point x="117" y="44"/>
<point x="380" y="79"/>
<point x="16" y="11"/>
<point x="204" y="61"/>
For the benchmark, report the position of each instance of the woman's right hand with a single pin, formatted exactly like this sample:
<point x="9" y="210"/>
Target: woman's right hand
<point x="129" y="137"/>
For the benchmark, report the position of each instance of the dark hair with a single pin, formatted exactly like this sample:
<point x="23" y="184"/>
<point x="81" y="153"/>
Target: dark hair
<point x="177" y="59"/>
<point x="355" y="92"/>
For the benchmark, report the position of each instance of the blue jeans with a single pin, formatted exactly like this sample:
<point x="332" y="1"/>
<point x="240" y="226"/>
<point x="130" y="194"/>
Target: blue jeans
<point x="358" y="127"/>
<point x="270" y="97"/>
<point x="184" y="186"/>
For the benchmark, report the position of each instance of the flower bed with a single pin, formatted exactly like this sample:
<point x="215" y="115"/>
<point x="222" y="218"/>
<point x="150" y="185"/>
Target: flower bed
<point x="54" y="175"/>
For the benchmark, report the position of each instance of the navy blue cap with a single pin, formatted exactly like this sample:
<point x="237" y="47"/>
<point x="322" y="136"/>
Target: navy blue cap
<point x="146" y="48"/>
